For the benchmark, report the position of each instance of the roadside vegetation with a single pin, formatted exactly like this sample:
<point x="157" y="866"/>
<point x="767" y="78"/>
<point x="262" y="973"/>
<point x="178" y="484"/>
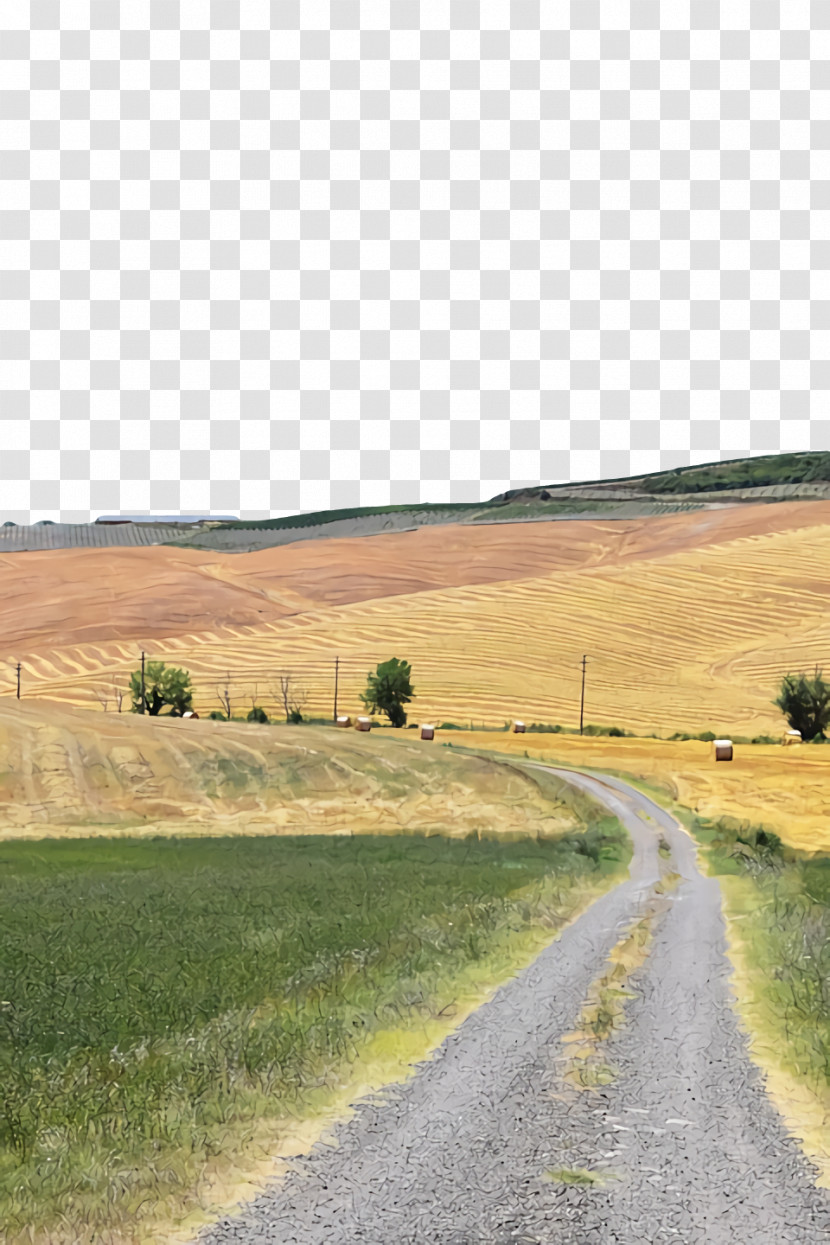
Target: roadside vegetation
<point x="165" y="1000"/>
<point x="782" y="898"/>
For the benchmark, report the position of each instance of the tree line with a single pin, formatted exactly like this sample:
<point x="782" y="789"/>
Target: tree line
<point x="162" y="689"/>
<point x="803" y="699"/>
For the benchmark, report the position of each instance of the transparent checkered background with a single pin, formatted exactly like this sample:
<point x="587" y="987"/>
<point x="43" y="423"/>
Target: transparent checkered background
<point x="260" y="257"/>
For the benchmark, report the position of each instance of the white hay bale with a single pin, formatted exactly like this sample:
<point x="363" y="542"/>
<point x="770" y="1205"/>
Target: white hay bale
<point x="427" y="732"/>
<point x="363" y="724"/>
<point x="519" y="728"/>
<point x="343" y="721"/>
<point x="722" y="749"/>
<point x="791" y="737"/>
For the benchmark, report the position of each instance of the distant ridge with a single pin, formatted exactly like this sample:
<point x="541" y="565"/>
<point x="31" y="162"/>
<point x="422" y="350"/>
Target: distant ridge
<point x="737" y="481"/>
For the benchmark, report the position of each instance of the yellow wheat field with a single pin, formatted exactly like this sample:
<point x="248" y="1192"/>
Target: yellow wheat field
<point x="686" y="641"/>
<point x="787" y="790"/>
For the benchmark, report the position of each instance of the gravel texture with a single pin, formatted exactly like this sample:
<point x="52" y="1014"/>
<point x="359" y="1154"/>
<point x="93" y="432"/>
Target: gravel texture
<point x="682" y="1145"/>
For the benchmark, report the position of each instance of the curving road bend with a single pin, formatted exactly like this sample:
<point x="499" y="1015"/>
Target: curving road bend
<point x="483" y="1145"/>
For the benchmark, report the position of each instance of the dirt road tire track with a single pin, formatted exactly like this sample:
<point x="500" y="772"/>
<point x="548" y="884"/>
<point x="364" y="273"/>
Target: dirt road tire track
<point x="683" y="1145"/>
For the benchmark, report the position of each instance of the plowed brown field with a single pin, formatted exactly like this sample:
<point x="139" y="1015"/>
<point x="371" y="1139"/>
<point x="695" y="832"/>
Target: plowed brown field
<point x="689" y="620"/>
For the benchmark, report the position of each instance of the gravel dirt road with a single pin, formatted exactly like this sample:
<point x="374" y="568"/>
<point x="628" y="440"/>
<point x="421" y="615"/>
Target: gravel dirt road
<point x="597" y="1100"/>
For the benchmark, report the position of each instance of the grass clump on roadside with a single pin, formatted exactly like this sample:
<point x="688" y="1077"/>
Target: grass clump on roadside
<point x="575" y="1175"/>
<point x="163" y="997"/>
<point x="782" y="898"/>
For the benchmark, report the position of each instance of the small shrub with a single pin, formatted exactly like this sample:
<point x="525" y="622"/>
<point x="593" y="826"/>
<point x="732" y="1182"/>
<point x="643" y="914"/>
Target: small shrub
<point x="616" y="733"/>
<point x="295" y="717"/>
<point x="258" y="715"/>
<point x="707" y="736"/>
<point x="216" y="716"/>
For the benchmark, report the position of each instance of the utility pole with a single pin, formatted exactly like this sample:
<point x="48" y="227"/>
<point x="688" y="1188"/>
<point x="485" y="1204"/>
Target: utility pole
<point x="336" y="681"/>
<point x="18" y="680"/>
<point x="143" y="694"/>
<point x="582" y="699"/>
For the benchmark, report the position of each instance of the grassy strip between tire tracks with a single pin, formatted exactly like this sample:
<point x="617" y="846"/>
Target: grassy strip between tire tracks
<point x="165" y="1003"/>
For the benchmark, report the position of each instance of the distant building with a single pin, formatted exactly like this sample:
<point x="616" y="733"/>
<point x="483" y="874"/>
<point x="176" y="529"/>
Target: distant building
<point x="167" y="518"/>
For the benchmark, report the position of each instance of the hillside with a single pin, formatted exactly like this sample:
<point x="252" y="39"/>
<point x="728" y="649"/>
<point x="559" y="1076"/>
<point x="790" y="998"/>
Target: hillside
<point x="689" y="620"/>
<point x="56" y="598"/>
<point x="68" y="771"/>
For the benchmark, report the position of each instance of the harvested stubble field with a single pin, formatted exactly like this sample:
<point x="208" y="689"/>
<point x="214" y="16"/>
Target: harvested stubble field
<point x="785" y="789"/>
<point x="690" y="620"/>
<point x="70" y="771"/>
<point x="175" y="1007"/>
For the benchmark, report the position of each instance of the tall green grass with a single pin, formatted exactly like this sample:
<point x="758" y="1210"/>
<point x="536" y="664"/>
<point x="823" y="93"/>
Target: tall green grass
<point x="159" y="996"/>
<point x="785" y="929"/>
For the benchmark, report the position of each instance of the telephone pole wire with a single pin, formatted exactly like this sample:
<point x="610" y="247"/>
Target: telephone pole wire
<point x="582" y="699"/>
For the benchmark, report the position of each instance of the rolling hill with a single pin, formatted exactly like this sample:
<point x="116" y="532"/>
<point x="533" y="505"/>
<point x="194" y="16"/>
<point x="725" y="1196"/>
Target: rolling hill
<point x="689" y="619"/>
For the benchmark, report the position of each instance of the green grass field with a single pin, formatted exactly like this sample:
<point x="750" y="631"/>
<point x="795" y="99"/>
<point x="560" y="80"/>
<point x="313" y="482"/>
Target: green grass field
<point x="161" y="996"/>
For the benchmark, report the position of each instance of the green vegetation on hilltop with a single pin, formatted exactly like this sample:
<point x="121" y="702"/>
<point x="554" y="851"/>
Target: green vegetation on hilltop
<point x="763" y="472"/>
<point x="163" y="998"/>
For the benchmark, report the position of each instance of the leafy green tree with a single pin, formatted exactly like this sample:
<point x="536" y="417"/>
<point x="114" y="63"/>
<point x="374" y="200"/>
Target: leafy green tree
<point x="805" y="703"/>
<point x="163" y="685"/>
<point x="258" y="715"/>
<point x="389" y="689"/>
